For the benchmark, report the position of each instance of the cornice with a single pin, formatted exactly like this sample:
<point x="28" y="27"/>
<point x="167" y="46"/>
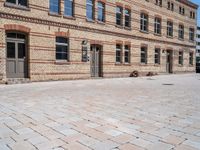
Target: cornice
<point x="189" y="3"/>
<point x="82" y="28"/>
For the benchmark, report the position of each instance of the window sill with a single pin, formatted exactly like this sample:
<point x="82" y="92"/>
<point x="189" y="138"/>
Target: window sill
<point x="156" y="34"/>
<point x="54" y="14"/>
<point x="179" y="65"/>
<point x="170" y="37"/>
<point x="127" y="28"/>
<point x="119" y="26"/>
<point x="190" y="65"/>
<point x="127" y="64"/>
<point x="191" y="41"/>
<point x="157" y="65"/>
<point x="118" y="64"/>
<point x="7" y="4"/>
<point x="146" y="32"/>
<point x="100" y="22"/>
<point x="62" y="62"/>
<point x="69" y="17"/>
<point x="89" y="20"/>
<point x="180" y="39"/>
<point x="143" y="64"/>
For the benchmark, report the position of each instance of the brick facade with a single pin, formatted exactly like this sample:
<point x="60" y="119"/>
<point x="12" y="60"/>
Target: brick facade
<point x="42" y="27"/>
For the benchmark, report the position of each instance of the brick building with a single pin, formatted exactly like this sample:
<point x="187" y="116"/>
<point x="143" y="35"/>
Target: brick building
<point x="198" y="45"/>
<point x="72" y="39"/>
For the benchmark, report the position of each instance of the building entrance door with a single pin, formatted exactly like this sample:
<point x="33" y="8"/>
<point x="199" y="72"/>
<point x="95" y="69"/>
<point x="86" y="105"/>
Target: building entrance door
<point x="169" y="63"/>
<point x="16" y="62"/>
<point x="95" y="53"/>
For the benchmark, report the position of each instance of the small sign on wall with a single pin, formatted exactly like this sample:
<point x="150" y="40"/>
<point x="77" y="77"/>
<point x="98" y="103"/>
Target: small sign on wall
<point x="84" y="53"/>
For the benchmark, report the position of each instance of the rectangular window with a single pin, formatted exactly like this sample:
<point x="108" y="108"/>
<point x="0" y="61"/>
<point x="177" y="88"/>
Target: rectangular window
<point x="157" y="56"/>
<point x="191" y="58"/>
<point x="18" y="2"/>
<point x="169" y="28"/>
<point x="144" y="55"/>
<point x="144" y="22"/>
<point x="127" y="54"/>
<point x="181" y="32"/>
<point x="191" y="34"/>
<point x="55" y="6"/>
<point x="180" y="58"/>
<point x="61" y="48"/>
<point x="157" y="26"/>
<point x="159" y="2"/>
<point x="127" y="13"/>
<point x="119" y="14"/>
<point x="90" y="9"/>
<point x="118" y="53"/>
<point x="69" y="6"/>
<point x="101" y="12"/>
<point x="170" y="6"/>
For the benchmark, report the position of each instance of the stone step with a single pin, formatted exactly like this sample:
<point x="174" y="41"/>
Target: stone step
<point x="17" y="80"/>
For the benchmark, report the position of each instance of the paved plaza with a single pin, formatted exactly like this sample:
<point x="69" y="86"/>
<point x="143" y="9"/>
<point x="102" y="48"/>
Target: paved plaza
<point x="148" y="113"/>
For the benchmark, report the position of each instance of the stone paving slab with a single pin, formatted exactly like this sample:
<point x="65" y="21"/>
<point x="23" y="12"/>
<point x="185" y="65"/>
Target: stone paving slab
<point x="107" y="114"/>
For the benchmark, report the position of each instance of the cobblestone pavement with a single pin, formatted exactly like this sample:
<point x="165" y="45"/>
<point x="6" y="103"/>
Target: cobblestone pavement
<point x="157" y="113"/>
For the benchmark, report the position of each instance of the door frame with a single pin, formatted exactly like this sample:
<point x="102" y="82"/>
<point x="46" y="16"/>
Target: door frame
<point x="169" y="61"/>
<point x="17" y="41"/>
<point x="100" y="62"/>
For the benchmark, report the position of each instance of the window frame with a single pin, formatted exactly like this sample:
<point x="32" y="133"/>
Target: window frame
<point x="50" y="6"/>
<point x="144" y="22"/>
<point x="191" y="58"/>
<point x="157" y="56"/>
<point x="72" y="8"/>
<point x="181" y="31"/>
<point x="127" y="15"/>
<point x="170" y="28"/>
<point x="159" y="3"/>
<point x="180" y="58"/>
<point x="120" y="56"/>
<point x="17" y="4"/>
<point x="63" y="45"/>
<point x="103" y="8"/>
<point x="143" y="50"/>
<point x="121" y="15"/>
<point x="92" y="5"/>
<point x="157" y="26"/>
<point x="191" y="34"/>
<point x="127" y="48"/>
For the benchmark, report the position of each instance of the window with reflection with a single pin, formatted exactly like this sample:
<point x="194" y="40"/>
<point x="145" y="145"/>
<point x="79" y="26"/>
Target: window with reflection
<point x="69" y="8"/>
<point x="119" y="13"/>
<point x="55" y="6"/>
<point x="127" y="14"/>
<point x="101" y="12"/>
<point x="144" y="22"/>
<point x="90" y="9"/>
<point x="62" y="48"/>
<point x="18" y="2"/>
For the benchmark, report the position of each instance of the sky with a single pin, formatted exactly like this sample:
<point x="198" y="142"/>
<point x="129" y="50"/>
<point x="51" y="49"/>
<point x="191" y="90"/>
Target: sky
<point x="198" y="3"/>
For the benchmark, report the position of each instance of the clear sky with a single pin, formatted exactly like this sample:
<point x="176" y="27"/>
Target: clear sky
<point x="198" y="3"/>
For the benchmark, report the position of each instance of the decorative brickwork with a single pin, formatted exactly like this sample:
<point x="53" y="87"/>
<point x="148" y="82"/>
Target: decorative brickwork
<point x="41" y="28"/>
